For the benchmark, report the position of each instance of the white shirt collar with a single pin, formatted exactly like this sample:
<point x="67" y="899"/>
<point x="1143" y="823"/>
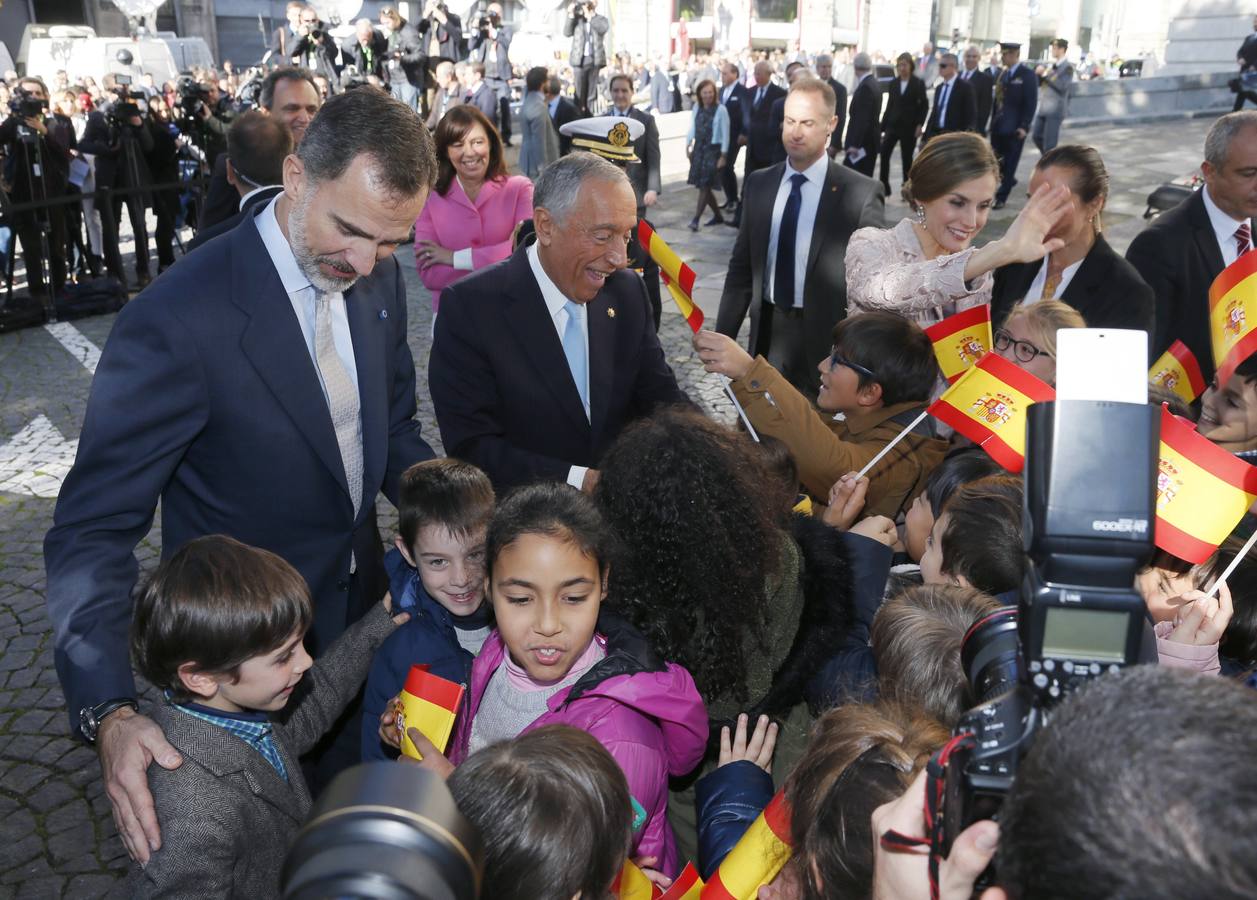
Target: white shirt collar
<point x="815" y="173"/>
<point x="280" y="251"/>
<point x="1223" y="225"/>
<point x="555" y="298"/>
<point x="245" y="198"/>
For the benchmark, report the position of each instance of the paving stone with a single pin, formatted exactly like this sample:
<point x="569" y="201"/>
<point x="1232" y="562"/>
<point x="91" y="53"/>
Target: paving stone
<point x="86" y="887"/>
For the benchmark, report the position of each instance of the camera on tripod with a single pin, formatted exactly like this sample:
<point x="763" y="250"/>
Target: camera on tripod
<point x="193" y="97"/>
<point x="1089" y="509"/>
<point x="26" y="105"/>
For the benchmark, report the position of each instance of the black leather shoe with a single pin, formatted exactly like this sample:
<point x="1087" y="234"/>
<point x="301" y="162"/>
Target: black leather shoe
<point x="715" y="220"/>
<point x="694" y="224"/>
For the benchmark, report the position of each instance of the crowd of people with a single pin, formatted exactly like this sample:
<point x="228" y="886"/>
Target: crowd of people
<point x="659" y="621"/>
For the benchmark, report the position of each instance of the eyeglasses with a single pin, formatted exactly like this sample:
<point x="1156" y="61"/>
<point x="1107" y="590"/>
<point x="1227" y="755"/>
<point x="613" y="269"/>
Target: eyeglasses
<point x="1023" y="350"/>
<point x="837" y="359"/>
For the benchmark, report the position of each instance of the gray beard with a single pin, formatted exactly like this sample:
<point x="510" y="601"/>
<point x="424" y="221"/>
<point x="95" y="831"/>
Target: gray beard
<point x="307" y="260"/>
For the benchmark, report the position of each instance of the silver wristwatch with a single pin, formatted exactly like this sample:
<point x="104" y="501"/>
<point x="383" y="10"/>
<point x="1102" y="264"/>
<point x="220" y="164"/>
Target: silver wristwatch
<point x="90" y="717"/>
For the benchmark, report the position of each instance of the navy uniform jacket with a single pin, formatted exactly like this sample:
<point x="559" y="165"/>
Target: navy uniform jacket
<point x="206" y="399"/>
<point x="501" y="387"/>
<point x="1016" y="94"/>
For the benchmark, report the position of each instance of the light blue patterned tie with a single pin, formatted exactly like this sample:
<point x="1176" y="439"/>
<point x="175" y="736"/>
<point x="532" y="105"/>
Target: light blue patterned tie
<point x="575" y="351"/>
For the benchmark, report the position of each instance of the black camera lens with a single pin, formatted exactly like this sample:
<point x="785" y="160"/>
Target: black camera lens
<point x="989" y="654"/>
<point x="385" y="831"/>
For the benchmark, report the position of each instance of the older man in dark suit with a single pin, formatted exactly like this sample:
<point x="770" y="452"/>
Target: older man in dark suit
<point x="264" y="389"/>
<point x="955" y="108"/>
<point x="825" y="72"/>
<point x="736" y="101"/>
<point x="983" y="84"/>
<point x="541" y="360"/>
<point x="863" y="130"/>
<point x="1185" y="248"/>
<point x="787" y="266"/>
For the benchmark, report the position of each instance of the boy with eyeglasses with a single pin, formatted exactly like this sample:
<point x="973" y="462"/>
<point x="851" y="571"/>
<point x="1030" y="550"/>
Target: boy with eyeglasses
<point x="874" y="383"/>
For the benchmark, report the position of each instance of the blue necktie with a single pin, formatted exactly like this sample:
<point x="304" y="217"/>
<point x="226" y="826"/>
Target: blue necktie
<point x="783" y="275"/>
<point x="942" y="103"/>
<point x="575" y="351"/>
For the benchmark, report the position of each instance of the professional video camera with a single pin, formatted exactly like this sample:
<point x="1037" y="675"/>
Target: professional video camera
<point x="1089" y="509"/>
<point x="384" y="831"/>
<point x="26" y="105"/>
<point x="193" y="98"/>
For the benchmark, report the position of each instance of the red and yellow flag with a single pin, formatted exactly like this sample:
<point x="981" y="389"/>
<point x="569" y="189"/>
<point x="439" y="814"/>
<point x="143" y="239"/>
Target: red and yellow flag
<point x="756" y="858"/>
<point x="677" y="276"/>
<point x="1178" y="371"/>
<point x="1202" y="491"/>
<point x="988" y="404"/>
<point x="632" y="884"/>
<point x="428" y="703"/>
<point x="688" y="886"/>
<point x="960" y="340"/>
<point x="1233" y="315"/>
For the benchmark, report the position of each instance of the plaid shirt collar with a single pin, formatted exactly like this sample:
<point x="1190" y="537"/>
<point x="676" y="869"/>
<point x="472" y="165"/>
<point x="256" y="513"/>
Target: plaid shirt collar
<point x="254" y="728"/>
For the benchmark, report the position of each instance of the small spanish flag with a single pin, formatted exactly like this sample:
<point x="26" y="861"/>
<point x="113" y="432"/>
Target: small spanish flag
<point x="688" y="886"/>
<point x="1178" y="371"/>
<point x="677" y="276"/>
<point x="756" y="858"/>
<point x="988" y="403"/>
<point x="960" y="340"/>
<point x="1202" y="491"/>
<point x="1233" y="315"/>
<point x="632" y="884"/>
<point x="428" y="703"/>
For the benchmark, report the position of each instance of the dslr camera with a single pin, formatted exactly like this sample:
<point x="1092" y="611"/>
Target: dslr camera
<point x="1089" y="512"/>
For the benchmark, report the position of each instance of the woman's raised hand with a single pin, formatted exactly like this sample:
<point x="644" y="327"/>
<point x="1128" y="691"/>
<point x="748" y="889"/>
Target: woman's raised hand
<point x="1027" y="239"/>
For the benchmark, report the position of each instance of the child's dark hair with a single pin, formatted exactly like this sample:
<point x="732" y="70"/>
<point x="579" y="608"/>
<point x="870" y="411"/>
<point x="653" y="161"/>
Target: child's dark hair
<point x="782" y="471"/>
<point x="553" y="809"/>
<point x="216" y="604"/>
<point x="916" y="638"/>
<point x="959" y="467"/>
<point x="446" y="492"/>
<point x="1239" y="641"/>
<point x="982" y="540"/>
<point x="858" y="757"/>
<point x="553" y="509"/>
<point x="894" y="349"/>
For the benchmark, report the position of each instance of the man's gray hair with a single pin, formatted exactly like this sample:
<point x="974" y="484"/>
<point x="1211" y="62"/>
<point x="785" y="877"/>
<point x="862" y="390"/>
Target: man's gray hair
<point x="559" y="183"/>
<point x="824" y="59"/>
<point x="949" y="57"/>
<point x="862" y="62"/>
<point x="1223" y="131"/>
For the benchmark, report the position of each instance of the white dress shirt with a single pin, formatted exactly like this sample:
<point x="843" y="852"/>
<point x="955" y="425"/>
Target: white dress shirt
<point x="811" y="197"/>
<point x="1035" y="291"/>
<point x="556" y="302"/>
<point x="726" y="91"/>
<point x="1224" y="228"/>
<point x="301" y="294"/>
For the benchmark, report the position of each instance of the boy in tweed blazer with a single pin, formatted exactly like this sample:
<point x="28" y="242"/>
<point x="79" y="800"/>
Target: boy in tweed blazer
<point x="219" y="629"/>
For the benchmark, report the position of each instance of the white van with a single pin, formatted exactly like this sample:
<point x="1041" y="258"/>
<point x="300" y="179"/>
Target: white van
<point x="77" y="49"/>
<point x="189" y="52"/>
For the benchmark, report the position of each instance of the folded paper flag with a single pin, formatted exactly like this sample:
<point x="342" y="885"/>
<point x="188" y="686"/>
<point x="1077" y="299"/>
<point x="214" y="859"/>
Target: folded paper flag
<point x="1202" y="491"/>
<point x="677" y="276"/>
<point x="988" y="404"/>
<point x="756" y="858"/>
<point x="1233" y="315"/>
<point x="632" y="884"/>
<point x="429" y="703"/>
<point x="1178" y="371"/>
<point x="960" y="340"/>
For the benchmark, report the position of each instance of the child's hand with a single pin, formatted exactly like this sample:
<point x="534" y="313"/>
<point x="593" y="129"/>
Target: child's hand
<point x="388" y="732"/>
<point x="1201" y="620"/>
<point x="846" y="500"/>
<point x="879" y="528"/>
<point x="433" y="759"/>
<point x="758" y="750"/>
<point x="654" y="876"/>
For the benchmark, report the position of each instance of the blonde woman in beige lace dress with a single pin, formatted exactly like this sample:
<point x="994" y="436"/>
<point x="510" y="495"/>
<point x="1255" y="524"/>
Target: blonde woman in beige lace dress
<point x="925" y="268"/>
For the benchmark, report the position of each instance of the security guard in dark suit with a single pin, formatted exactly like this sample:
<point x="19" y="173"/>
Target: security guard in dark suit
<point x="1016" y="94"/>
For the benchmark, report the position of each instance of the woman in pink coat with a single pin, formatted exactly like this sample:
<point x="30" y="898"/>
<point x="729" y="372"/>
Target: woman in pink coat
<point x="475" y="206"/>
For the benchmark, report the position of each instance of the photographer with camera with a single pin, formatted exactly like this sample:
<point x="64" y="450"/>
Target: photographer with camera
<point x="491" y="46"/>
<point x="117" y="136"/>
<point x="442" y="33"/>
<point x="407" y="64"/>
<point x="38" y="148"/>
<point x="366" y="51"/>
<point x="204" y="115"/>
<point x="588" y="54"/>
<point x="316" y="49"/>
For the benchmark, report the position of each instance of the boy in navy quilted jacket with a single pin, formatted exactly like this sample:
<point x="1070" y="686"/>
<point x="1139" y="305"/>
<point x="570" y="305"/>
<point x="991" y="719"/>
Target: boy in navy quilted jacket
<point x="437" y="573"/>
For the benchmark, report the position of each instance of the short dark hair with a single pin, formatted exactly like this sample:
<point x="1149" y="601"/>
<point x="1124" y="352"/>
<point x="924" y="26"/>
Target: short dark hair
<point x="959" y="467"/>
<point x="1090" y="817"/>
<point x="553" y="509"/>
<point x="554" y="811"/>
<point x="619" y="76"/>
<point x="447" y="492"/>
<point x="554" y="85"/>
<point x="257" y="145"/>
<point x="1061" y="42"/>
<point x="916" y="638"/>
<point x="895" y="349"/>
<point x="1091" y="178"/>
<point x="453" y="127"/>
<point x="369" y="122"/>
<point x="535" y="77"/>
<point x="266" y="98"/>
<point x="982" y="540"/>
<point x="216" y="603"/>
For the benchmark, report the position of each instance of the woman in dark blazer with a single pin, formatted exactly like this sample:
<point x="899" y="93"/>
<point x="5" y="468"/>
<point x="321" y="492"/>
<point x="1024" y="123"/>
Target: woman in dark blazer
<point x="1086" y="273"/>
<point x="907" y="108"/>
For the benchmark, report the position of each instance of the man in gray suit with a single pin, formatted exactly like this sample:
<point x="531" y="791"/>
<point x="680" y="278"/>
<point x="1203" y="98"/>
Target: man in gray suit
<point x="1054" y="83"/>
<point x="540" y="145"/>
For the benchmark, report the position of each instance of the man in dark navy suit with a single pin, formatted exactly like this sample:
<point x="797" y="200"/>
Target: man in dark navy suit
<point x="983" y="84"/>
<point x="541" y="360"/>
<point x="264" y="389"/>
<point x="764" y="136"/>
<point x="1016" y="94"/>
<point x="736" y="100"/>
<point x="955" y="107"/>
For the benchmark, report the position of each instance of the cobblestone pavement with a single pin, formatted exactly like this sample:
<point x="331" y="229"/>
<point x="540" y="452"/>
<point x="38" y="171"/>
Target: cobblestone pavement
<point x="56" y="834"/>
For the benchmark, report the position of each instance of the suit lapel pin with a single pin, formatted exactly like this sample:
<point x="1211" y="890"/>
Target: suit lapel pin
<point x="384" y="314"/>
<point x="610" y="312"/>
